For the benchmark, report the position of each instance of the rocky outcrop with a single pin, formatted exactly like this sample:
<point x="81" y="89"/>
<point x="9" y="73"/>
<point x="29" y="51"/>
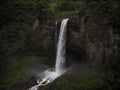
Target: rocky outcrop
<point x="77" y="36"/>
<point x="88" y="40"/>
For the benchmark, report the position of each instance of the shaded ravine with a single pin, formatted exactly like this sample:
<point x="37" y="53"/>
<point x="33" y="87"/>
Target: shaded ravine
<point x="48" y="75"/>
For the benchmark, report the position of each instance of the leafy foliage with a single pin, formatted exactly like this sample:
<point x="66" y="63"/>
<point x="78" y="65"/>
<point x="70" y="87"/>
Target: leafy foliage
<point x="108" y="9"/>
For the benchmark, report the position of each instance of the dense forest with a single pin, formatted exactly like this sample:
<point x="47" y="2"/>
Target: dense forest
<point x="27" y="42"/>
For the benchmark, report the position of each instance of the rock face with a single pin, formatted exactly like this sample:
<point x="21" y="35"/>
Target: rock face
<point x="88" y="41"/>
<point x="77" y="27"/>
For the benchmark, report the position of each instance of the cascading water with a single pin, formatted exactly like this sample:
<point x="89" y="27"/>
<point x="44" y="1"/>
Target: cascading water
<point x="49" y="76"/>
<point x="61" y="46"/>
<point x="56" y="35"/>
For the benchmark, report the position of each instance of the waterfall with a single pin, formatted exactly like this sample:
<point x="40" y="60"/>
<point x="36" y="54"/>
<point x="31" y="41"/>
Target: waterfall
<point x="56" y="33"/>
<point x="61" y="46"/>
<point x="49" y="75"/>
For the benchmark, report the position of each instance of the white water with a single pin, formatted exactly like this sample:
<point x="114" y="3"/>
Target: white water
<point x="49" y="76"/>
<point x="56" y="34"/>
<point x="61" y="46"/>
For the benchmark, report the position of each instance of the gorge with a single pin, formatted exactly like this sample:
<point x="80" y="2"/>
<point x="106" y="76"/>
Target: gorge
<point x="59" y="69"/>
<point x="35" y="55"/>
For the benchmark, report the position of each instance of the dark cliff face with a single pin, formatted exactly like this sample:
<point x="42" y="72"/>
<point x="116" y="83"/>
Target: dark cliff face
<point x="88" y="41"/>
<point x="44" y="34"/>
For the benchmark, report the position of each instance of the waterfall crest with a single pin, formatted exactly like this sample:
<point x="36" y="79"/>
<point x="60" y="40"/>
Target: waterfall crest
<point x="49" y="75"/>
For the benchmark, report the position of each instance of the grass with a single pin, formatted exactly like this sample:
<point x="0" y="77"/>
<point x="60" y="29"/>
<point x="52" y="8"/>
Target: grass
<point x="96" y="79"/>
<point x="19" y="67"/>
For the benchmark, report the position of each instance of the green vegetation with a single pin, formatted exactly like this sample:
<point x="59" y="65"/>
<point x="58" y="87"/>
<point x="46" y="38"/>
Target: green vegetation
<point x="106" y="12"/>
<point x="98" y="77"/>
<point x="22" y="47"/>
<point x="18" y="67"/>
